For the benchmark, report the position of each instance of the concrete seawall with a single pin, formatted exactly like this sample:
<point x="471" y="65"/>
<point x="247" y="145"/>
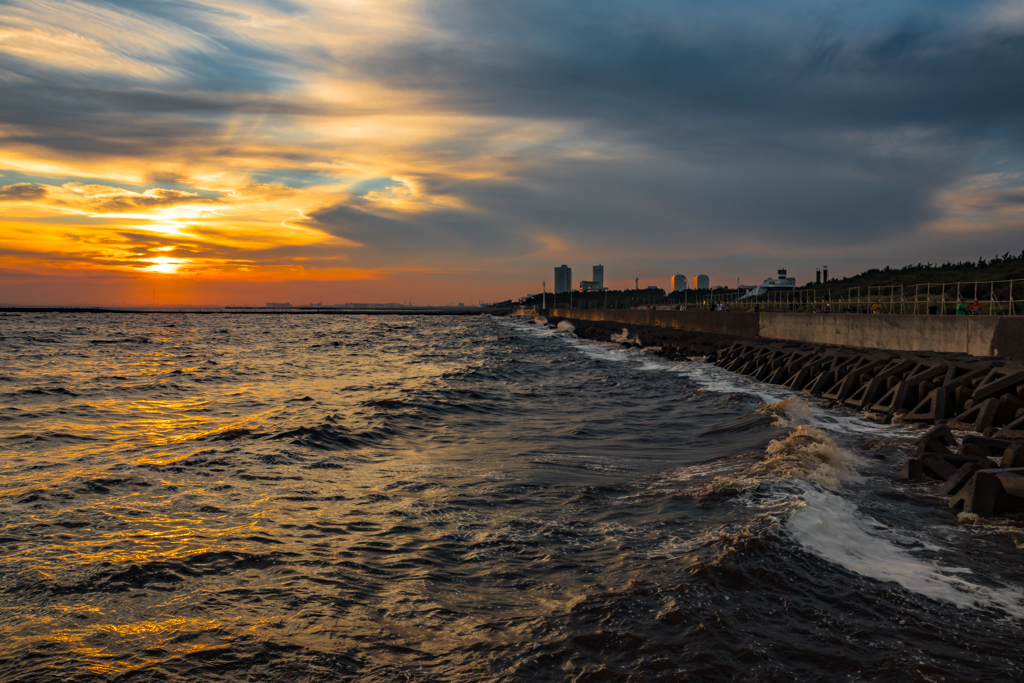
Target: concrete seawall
<point x="975" y="335"/>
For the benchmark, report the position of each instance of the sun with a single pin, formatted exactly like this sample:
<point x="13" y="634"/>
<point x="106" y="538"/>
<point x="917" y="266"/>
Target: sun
<point x="165" y="264"/>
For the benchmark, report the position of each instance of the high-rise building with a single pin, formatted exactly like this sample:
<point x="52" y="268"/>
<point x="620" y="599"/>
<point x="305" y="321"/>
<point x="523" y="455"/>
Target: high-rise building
<point x="701" y="282"/>
<point x="595" y="285"/>
<point x="678" y="283"/>
<point x="563" y="279"/>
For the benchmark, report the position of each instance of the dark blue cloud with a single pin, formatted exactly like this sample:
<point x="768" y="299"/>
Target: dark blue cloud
<point x="645" y="64"/>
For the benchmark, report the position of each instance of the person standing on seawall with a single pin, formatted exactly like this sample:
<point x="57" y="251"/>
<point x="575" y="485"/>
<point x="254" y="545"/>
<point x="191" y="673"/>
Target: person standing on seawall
<point x="975" y="308"/>
<point x="876" y="308"/>
<point x="961" y="308"/>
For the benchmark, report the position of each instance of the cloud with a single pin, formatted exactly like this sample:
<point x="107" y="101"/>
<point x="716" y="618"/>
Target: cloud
<point x="103" y="199"/>
<point x="21" y="192"/>
<point x="457" y="135"/>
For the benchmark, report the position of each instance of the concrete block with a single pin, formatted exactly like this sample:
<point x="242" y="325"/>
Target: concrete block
<point x="932" y="446"/>
<point x="934" y="466"/>
<point x="998" y="381"/>
<point x="840" y="360"/>
<point x="762" y="372"/>
<point x="962" y="376"/>
<point x="941" y="433"/>
<point x="896" y="398"/>
<point x="991" y="446"/>
<point x="1013" y="456"/>
<point x="822" y="383"/>
<point x="925" y="373"/>
<point x="845" y="388"/>
<point x="897" y="367"/>
<point x="961" y="459"/>
<point x="779" y="375"/>
<point x="748" y="368"/>
<point x="925" y="388"/>
<point x="912" y="470"/>
<point x="801" y="377"/>
<point x="1009" y="406"/>
<point x="868" y="393"/>
<point x="959" y="478"/>
<point x="931" y="409"/>
<point x="977" y="417"/>
<point x="979" y="495"/>
<point x="1013" y="484"/>
<point x="737" y="365"/>
<point x="961" y="395"/>
<point x="1013" y="431"/>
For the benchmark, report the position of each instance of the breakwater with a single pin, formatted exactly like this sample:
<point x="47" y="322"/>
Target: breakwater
<point x="976" y="335"/>
<point x="982" y="472"/>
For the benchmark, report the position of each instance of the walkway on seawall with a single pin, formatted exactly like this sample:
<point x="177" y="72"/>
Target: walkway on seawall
<point x="975" y="335"/>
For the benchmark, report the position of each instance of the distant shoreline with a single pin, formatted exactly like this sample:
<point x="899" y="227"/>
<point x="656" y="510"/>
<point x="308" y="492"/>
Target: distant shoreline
<point x="243" y="310"/>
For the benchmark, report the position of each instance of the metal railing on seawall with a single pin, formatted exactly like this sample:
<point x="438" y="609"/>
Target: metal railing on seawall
<point x="994" y="297"/>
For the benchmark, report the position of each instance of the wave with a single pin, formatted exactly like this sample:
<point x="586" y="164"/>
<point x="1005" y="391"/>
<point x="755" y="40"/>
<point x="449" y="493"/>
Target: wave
<point x="623" y="337"/>
<point x="42" y="391"/>
<point x="806" y="453"/>
<point x="832" y="528"/>
<point x="125" y="340"/>
<point x="331" y="436"/>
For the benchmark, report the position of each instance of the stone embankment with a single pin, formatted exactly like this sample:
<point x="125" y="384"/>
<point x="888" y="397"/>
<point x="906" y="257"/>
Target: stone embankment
<point x="674" y="343"/>
<point x="982" y="472"/>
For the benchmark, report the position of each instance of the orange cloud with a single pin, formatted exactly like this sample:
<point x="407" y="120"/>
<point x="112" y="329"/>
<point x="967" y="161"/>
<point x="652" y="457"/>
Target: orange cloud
<point x="21" y="192"/>
<point x="981" y="203"/>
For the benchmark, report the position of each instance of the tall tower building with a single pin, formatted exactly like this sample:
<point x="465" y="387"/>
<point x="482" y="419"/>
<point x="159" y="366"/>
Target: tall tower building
<point x="678" y="283"/>
<point x="599" y="277"/>
<point x="563" y="279"/>
<point x="701" y="282"/>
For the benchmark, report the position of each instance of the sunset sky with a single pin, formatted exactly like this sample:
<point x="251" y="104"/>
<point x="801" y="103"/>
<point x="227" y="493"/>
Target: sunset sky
<point x="190" y="152"/>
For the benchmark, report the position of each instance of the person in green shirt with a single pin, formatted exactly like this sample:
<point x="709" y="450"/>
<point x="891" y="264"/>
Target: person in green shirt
<point x="961" y="308"/>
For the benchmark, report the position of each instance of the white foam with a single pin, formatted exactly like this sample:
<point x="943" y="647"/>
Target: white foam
<point x="832" y="528"/>
<point x="710" y="377"/>
<point x="713" y="378"/>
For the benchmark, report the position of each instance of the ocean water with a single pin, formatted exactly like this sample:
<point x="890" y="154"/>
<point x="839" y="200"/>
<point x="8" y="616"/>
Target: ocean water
<point x="318" y="498"/>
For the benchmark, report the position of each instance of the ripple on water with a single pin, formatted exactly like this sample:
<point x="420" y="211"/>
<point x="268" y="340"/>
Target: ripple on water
<point x="262" y="497"/>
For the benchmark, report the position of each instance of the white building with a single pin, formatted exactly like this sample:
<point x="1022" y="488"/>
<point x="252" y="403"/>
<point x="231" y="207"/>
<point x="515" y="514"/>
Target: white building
<point x="678" y="283"/>
<point x="781" y="283"/>
<point x="701" y="282"/>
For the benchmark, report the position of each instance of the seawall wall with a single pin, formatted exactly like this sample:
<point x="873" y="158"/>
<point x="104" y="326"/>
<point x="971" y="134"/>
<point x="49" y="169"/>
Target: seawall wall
<point x="975" y="335"/>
